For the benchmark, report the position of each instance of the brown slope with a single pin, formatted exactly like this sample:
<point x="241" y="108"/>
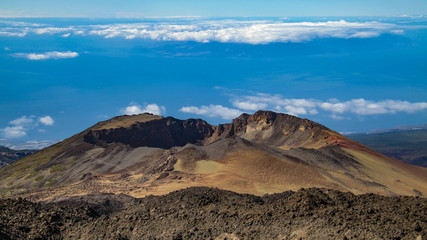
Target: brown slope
<point x="262" y="153"/>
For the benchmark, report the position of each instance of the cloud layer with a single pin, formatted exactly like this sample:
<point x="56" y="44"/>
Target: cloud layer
<point x="251" y="32"/>
<point x="313" y="106"/>
<point x="135" y="108"/>
<point x="334" y="107"/>
<point x="47" y="55"/>
<point x="19" y="127"/>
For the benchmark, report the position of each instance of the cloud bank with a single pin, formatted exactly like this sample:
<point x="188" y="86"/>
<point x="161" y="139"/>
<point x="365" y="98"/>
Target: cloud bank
<point x="19" y="127"/>
<point x="135" y="108"/>
<point x="251" y="32"/>
<point x="226" y="31"/>
<point x="358" y="106"/>
<point x="333" y="107"/>
<point x="47" y="55"/>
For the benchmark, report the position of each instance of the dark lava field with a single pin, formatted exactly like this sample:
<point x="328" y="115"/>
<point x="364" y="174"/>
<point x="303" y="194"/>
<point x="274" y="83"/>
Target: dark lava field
<point x="207" y="213"/>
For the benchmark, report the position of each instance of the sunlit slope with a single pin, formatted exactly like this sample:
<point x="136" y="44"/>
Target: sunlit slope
<point x="396" y="177"/>
<point x="261" y="153"/>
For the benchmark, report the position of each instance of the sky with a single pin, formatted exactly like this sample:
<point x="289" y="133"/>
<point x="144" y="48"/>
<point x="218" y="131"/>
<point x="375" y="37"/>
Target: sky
<point x="217" y="8"/>
<point x="361" y="68"/>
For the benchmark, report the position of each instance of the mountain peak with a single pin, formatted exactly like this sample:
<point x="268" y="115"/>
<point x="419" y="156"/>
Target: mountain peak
<point x="266" y="116"/>
<point x="126" y="121"/>
<point x="265" y="152"/>
<point x="264" y="127"/>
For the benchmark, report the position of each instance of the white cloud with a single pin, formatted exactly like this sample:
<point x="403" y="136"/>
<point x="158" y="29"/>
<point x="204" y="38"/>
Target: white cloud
<point x="155" y="109"/>
<point x="65" y="35"/>
<point x="51" y="30"/>
<point x="47" y="120"/>
<point x="47" y="55"/>
<point x="251" y="32"/>
<point x="334" y="106"/>
<point x="213" y="111"/>
<point x="367" y="107"/>
<point x="278" y="103"/>
<point x="20" y="126"/>
<point x="14" y="131"/>
<point x="13" y="34"/>
<point x="132" y="109"/>
<point x="292" y="110"/>
<point x="22" y="121"/>
<point x="135" y="108"/>
<point x="249" y="105"/>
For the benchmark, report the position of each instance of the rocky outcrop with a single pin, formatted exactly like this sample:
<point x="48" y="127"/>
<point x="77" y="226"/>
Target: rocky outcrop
<point x="277" y="129"/>
<point x="161" y="133"/>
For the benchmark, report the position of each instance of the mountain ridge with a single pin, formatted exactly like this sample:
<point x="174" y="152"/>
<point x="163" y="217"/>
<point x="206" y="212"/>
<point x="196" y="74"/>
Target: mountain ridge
<point x="400" y="128"/>
<point x="265" y="152"/>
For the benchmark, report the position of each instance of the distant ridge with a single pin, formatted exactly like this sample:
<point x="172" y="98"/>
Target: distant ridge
<point x="405" y="144"/>
<point x="393" y="129"/>
<point x="265" y="152"/>
<point x="8" y="156"/>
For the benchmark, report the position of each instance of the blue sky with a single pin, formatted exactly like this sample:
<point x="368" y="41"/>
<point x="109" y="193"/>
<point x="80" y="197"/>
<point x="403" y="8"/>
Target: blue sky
<point x="217" y="8"/>
<point x="59" y="76"/>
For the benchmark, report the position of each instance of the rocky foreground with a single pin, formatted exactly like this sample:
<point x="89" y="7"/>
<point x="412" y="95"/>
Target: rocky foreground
<point x="207" y="213"/>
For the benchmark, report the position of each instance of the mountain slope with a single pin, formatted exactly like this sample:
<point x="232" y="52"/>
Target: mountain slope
<point x="262" y="153"/>
<point x="406" y="145"/>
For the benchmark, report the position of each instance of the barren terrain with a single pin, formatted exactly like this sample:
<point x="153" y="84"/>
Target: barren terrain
<point x="258" y="154"/>
<point x="206" y="213"/>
